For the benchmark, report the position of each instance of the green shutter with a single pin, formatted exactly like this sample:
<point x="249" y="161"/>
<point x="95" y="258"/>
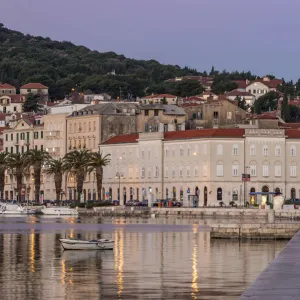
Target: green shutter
<point x="42" y="134"/>
<point x="27" y="135"/>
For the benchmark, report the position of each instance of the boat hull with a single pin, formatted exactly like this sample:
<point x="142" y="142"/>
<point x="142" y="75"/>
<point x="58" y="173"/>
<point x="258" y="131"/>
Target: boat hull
<point x="86" y="245"/>
<point x="59" y="211"/>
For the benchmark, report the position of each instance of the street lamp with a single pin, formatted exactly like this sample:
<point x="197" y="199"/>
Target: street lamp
<point x="119" y="176"/>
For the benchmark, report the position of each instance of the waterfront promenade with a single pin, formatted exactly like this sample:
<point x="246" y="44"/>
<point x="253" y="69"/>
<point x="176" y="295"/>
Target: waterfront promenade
<point x="281" y="279"/>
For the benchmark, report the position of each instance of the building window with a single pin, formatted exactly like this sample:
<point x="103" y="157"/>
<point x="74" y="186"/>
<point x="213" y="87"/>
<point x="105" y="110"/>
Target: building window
<point x="11" y="137"/>
<point x="229" y="115"/>
<point x="166" y="171"/>
<point x="149" y="171"/>
<point x="235" y="170"/>
<point x="188" y="171"/>
<point x="156" y="112"/>
<point x="293" y="171"/>
<point x="11" y="149"/>
<point x="253" y="170"/>
<point x="293" y="150"/>
<point x="252" y="150"/>
<point x="196" y="171"/>
<point x="166" y="152"/>
<point x="219" y="168"/>
<point x="235" y="150"/>
<point x="143" y="172"/>
<point x="219" y="194"/>
<point x="204" y="170"/>
<point x="165" y="127"/>
<point x="277" y="170"/>
<point x="181" y="151"/>
<point x="180" y="171"/>
<point x="146" y="112"/>
<point x="156" y="171"/>
<point x="265" y="170"/>
<point x="265" y="150"/>
<point x="173" y="172"/>
<point x="277" y="151"/>
<point x="42" y="134"/>
<point x="220" y="149"/>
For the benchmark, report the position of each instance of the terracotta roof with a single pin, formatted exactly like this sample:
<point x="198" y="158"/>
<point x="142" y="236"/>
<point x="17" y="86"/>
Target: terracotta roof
<point x="241" y="83"/>
<point x="187" y="134"/>
<point x="238" y="93"/>
<point x="290" y="125"/>
<point x="15" y="98"/>
<point x="194" y="98"/>
<point x="292" y="133"/>
<point x="7" y="86"/>
<point x="267" y="115"/>
<point x="33" y="85"/>
<point x="123" y="139"/>
<point x="207" y="94"/>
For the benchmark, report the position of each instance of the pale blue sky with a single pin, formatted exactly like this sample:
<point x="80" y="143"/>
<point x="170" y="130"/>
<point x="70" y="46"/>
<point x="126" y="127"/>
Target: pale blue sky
<point x="256" y="35"/>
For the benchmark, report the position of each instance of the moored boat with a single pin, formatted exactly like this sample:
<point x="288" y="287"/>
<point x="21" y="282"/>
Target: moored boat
<point x="11" y="209"/>
<point x="75" y="244"/>
<point x="59" y="211"/>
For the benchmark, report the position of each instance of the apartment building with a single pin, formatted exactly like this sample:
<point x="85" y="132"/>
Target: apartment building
<point x="206" y="163"/>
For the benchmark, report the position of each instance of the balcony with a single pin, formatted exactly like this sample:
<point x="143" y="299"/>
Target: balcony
<point x="52" y="135"/>
<point x="53" y="151"/>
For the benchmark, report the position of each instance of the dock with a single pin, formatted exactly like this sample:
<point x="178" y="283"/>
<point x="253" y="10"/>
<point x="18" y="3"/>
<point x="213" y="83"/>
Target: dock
<point x="281" y="279"/>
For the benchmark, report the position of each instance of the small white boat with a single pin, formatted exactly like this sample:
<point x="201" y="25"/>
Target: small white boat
<point x="75" y="244"/>
<point x="59" y="211"/>
<point x="11" y="209"/>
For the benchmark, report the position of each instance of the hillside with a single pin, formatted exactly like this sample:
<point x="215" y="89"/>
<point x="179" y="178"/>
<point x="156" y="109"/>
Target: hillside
<point x="63" y="66"/>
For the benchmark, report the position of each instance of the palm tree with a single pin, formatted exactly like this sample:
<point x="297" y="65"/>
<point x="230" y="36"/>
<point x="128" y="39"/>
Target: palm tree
<point x="3" y="166"/>
<point x="16" y="163"/>
<point x="36" y="159"/>
<point x="97" y="162"/>
<point x="56" y="168"/>
<point x="77" y="163"/>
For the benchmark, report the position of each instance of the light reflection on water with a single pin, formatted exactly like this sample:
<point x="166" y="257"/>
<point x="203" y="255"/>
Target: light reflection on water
<point x="151" y="260"/>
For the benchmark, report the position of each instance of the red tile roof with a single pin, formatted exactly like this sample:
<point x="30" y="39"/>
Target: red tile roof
<point x="7" y="86"/>
<point x="33" y="85"/>
<point x="241" y="84"/>
<point x="187" y="134"/>
<point x="292" y="133"/>
<point x="238" y="93"/>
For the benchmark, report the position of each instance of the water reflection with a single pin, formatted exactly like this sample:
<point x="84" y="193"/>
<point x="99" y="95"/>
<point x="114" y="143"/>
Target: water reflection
<point x="151" y="261"/>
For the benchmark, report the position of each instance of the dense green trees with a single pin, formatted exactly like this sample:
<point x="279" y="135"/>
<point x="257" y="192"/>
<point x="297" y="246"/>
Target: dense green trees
<point x="31" y="103"/>
<point x="267" y="102"/>
<point x="285" y="109"/>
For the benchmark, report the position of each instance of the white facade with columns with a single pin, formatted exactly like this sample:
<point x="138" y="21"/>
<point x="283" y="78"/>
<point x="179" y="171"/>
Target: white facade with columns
<point x="208" y="163"/>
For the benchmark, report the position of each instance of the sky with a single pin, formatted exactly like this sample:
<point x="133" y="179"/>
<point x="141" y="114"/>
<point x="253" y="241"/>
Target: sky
<point x="257" y="35"/>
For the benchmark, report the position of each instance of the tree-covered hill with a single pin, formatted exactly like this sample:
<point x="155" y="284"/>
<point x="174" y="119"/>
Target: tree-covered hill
<point x="63" y="66"/>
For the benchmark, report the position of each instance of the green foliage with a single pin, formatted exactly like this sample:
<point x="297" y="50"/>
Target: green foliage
<point x="63" y="66"/>
<point x="31" y="103"/>
<point x="267" y="102"/>
<point x="223" y="83"/>
<point x="242" y="103"/>
<point x="294" y="113"/>
<point x="285" y="109"/>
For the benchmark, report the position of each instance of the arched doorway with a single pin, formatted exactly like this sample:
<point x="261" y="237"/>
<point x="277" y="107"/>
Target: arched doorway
<point x="293" y="193"/>
<point x="235" y="194"/>
<point x="110" y="193"/>
<point x="219" y="194"/>
<point x="94" y="195"/>
<point x="265" y="197"/>
<point x="197" y="192"/>
<point x="174" y="193"/>
<point x="137" y="194"/>
<point x="84" y="195"/>
<point x="277" y="190"/>
<point x="89" y="195"/>
<point x="75" y="195"/>
<point x="131" y="193"/>
<point x="205" y="196"/>
<point x="167" y="193"/>
<point x="252" y="197"/>
<point x="70" y="194"/>
<point x="124" y="195"/>
<point x="181" y="194"/>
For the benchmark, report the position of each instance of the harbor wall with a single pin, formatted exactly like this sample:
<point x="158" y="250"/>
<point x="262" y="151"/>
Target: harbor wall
<point x="230" y="213"/>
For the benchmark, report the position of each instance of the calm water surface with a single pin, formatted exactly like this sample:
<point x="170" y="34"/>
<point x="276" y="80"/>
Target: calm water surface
<point x="153" y="259"/>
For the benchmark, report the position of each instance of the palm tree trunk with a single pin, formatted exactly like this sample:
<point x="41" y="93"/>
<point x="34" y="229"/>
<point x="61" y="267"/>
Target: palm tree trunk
<point x="58" y="183"/>
<point x="19" y="177"/>
<point x="2" y="183"/>
<point x="99" y="177"/>
<point x="37" y="182"/>
<point x="80" y="180"/>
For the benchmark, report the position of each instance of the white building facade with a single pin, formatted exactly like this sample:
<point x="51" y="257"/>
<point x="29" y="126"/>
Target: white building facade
<point x="206" y="163"/>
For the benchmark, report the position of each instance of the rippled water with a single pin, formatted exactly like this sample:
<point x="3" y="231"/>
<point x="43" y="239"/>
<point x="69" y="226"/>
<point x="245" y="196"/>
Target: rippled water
<point x="152" y="259"/>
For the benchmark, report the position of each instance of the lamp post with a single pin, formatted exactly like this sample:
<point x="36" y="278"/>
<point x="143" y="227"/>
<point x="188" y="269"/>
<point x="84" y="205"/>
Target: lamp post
<point x="119" y="176"/>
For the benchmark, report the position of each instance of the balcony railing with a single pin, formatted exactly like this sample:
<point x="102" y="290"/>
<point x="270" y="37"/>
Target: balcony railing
<point x="52" y="134"/>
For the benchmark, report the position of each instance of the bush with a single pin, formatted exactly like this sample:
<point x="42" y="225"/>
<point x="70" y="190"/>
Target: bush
<point x="89" y="205"/>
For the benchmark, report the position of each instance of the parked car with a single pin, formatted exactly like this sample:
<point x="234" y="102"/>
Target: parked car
<point x="291" y="204"/>
<point x="143" y="203"/>
<point x="116" y="202"/>
<point x="176" y="203"/>
<point x="130" y="203"/>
